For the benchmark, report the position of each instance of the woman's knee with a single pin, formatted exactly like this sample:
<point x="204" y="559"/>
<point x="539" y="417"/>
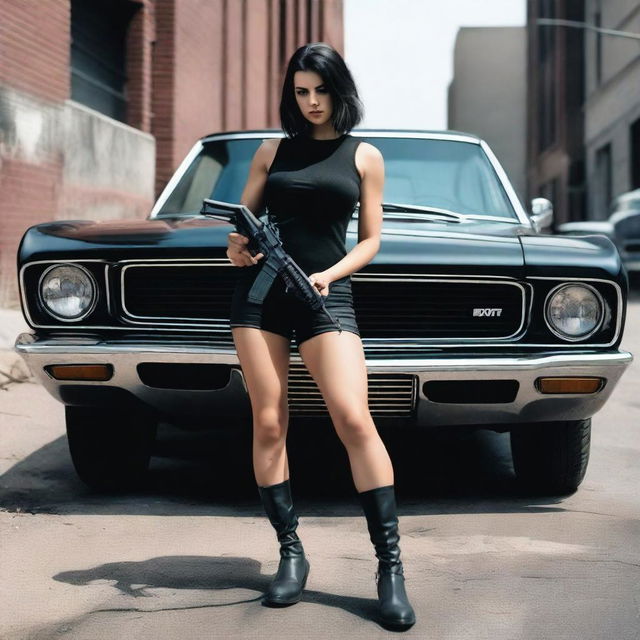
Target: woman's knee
<point x="354" y="427"/>
<point x="270" y="425"/>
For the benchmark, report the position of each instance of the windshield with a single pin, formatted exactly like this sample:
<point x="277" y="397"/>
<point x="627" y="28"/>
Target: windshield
<point x="448" y="174"/>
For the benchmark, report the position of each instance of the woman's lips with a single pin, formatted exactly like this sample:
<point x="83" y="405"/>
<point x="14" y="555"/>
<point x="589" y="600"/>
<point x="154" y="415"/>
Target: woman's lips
<point x="315" y="113"/>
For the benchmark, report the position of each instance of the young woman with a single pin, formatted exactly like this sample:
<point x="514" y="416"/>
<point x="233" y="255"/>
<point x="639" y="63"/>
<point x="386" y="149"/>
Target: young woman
<point x="310" y="182"/>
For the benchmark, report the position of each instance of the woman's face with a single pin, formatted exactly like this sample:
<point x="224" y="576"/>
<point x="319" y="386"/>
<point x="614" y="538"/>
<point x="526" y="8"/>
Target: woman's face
<point x="312" y="95"/>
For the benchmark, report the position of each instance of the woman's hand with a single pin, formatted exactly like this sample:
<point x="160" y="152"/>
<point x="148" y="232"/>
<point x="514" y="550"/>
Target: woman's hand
<point x="238" y="253"/>
<point x="321" y="282"/>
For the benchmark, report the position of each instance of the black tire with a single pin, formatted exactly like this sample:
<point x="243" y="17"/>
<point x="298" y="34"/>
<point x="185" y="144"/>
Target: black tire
<point x="110" y="448"/>
<point x="551" y="458"/>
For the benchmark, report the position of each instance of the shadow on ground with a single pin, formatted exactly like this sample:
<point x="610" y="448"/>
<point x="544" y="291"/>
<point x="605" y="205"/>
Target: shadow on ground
<point x="210" y="473"/>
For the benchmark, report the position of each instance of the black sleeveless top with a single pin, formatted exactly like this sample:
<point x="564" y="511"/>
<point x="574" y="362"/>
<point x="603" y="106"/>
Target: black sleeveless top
<point x="311" y="192"/>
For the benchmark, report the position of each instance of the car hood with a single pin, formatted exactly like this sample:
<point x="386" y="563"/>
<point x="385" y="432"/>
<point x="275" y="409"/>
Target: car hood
<point x="583" y="256"/>
<point x="451" y="247"/>
<point x="486" y="247"/>
<point x="472" y="248"/>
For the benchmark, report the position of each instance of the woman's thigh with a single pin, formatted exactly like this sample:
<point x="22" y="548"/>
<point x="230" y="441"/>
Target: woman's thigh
<point x="264" y="358"/>
<point x="339" y="304"/>
<point x="337" y="364"/>
<point x="271" y="315"/>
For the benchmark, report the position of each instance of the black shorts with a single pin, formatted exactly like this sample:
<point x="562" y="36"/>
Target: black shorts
<point x="282" y="313"/>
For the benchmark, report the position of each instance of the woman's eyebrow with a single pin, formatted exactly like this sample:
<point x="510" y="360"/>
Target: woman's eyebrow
<point x="320" y="85"/>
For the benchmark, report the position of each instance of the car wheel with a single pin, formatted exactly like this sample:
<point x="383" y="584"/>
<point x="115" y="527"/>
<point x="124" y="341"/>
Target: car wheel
<point x="110" y="448"/>
<point x="551" y="457"/>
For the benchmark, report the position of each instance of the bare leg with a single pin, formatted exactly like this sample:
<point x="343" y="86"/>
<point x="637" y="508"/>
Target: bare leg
<point x="336" y="362"/>
<point x="264" y="357"/>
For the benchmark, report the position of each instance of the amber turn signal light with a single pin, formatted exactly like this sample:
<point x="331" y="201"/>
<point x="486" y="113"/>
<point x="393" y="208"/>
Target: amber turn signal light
<point x="569" y="385"/>
<point x="99" y="372"/>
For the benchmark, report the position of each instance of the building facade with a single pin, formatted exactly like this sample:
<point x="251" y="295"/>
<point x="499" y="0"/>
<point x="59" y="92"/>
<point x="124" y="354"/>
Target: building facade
<point x="487" y="96"/>
<point x="612" y="105"/>
<point x="101" y="99"/>
<point x="555" y="98"/>
<point x="584" y="104"/>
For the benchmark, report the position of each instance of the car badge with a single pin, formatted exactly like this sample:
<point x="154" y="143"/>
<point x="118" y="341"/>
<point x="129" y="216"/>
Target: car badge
<point x="491" y="313"/>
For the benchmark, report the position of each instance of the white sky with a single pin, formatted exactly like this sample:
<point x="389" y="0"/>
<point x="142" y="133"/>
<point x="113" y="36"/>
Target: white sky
<point x="400" y="53"/>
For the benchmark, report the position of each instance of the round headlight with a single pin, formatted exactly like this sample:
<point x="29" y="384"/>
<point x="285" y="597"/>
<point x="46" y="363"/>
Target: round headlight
<point x="574" y="311"/>
<point x="68" y="292"/>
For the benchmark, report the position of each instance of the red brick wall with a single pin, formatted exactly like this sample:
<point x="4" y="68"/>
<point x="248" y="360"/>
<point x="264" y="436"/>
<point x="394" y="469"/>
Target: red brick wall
<point x="162" y="125"/>
<point x="140" y="39"/>
<point x="34" y="47"/>
<point x="256" y="74"/>
<point x="219" y="66"/>
<point x="233" y="52"/>
<point x="34" y="50"/>
<point x="332" y="27"/>
<point x="193" y="67"/>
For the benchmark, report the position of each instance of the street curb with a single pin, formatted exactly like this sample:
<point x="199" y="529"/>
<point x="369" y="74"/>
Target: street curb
<point x="12" y="367"/>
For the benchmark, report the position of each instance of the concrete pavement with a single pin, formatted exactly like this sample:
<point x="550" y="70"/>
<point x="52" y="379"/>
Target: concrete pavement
<point x="190" y="555"/>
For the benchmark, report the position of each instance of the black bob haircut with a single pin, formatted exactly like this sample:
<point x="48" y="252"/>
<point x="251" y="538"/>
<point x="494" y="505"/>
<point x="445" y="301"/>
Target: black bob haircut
<point x="329" y="64"/>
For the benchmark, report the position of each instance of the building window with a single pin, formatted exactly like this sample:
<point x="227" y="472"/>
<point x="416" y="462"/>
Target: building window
<point x="602" y="183"/>
<point x="98" y="54"/>
<point x="546" y="77"/>
<point x="635" y="154"/>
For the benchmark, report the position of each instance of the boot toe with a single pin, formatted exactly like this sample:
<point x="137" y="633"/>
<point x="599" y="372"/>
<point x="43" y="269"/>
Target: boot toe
<point x="286" y="593"/>
<point x="288" y="590"/>
<point x="398" y="616"/>
<point x="395" y="609"/>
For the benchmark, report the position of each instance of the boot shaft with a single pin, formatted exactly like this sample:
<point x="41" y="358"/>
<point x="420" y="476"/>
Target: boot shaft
<point x="379" y="506"/>
<point x="278" y="506"/>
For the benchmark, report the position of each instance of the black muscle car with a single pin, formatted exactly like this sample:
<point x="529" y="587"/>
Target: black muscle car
<point x="469" y="316"/>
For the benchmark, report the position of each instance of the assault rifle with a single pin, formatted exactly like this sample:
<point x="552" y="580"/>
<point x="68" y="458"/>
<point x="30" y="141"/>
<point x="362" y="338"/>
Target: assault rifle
<point x="264" y="237"/>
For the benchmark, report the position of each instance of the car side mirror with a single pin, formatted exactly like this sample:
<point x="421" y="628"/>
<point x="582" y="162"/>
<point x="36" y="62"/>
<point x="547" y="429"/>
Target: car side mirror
<point x="541" y="215"/>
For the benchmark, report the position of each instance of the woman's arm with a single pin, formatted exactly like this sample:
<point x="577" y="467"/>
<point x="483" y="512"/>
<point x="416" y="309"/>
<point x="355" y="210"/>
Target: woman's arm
<point x="252" y="198"/>
<point x="369" y="217"/>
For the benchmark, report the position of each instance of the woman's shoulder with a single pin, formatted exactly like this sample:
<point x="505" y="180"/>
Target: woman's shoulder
<point x="367" y="148"/>
<point x="271" y="144"/>
<point x="367" y="157"/>
<point x="269" y="149"/>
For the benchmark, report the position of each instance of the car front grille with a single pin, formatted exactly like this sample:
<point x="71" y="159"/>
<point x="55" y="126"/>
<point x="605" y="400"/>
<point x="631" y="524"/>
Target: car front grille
<point x="390" y="394"/>
<point x="399" y="306"/>
<point x="191" y="293"/>
<point x="418" y="307"/>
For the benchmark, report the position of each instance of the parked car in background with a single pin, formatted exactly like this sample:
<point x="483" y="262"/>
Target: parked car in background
<point x="469" y="317"/>
<point x="622" y="226"/>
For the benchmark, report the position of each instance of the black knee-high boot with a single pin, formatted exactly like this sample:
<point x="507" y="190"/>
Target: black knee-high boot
<point x="379" y="507"/>
<point x="291" y="577"/>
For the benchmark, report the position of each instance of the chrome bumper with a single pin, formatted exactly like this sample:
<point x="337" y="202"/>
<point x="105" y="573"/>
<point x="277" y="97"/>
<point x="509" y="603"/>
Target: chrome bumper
<point x="529" y="405"/>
